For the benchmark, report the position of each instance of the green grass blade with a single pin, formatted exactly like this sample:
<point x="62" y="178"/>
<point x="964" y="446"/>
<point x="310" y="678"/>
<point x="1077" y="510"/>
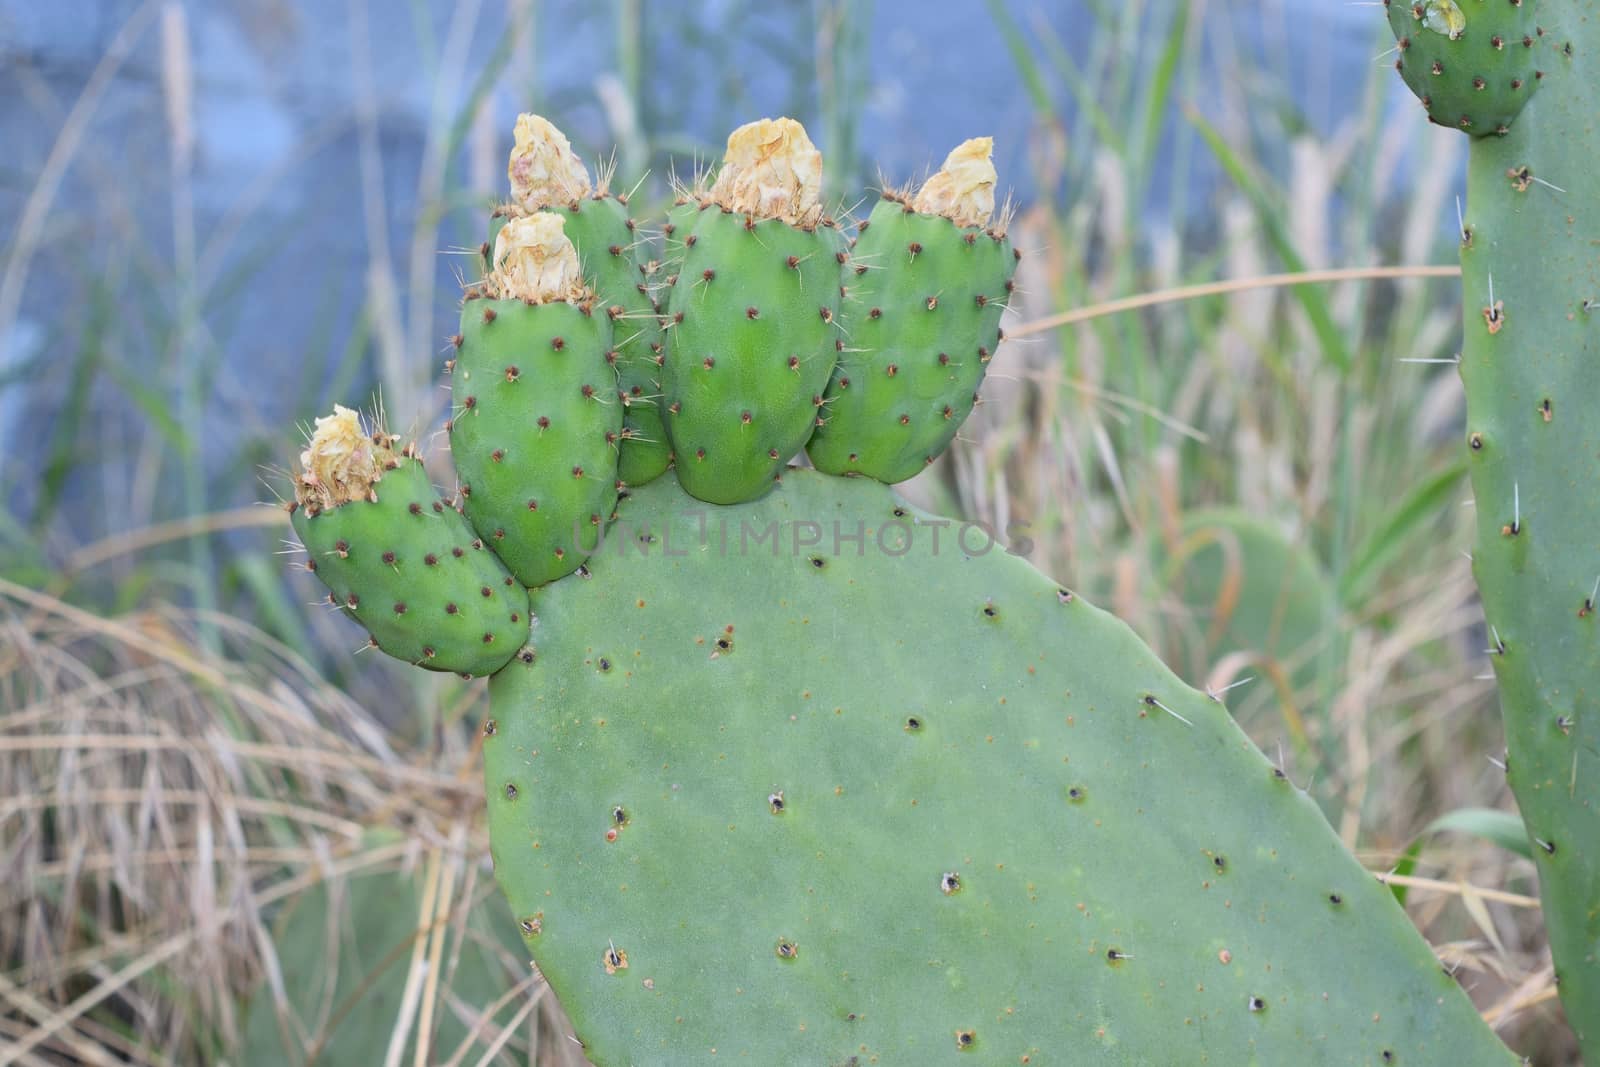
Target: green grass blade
<point x="1415" y="513"/>
<point x="1310" y="297"/>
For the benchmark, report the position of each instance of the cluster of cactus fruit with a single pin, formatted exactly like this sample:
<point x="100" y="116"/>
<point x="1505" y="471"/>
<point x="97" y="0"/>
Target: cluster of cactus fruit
<point x="586" y="364"/>
<point x="789" y="777"/>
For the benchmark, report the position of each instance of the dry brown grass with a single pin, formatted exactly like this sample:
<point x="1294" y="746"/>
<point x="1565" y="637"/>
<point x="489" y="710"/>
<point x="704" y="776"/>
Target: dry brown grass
<point x="161" y="804"/>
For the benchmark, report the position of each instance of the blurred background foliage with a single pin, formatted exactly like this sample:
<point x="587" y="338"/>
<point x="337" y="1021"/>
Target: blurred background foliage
<point x="218" y="218"/>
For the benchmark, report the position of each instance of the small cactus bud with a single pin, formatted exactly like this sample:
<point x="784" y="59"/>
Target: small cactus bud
<point x="341" y="462"/>
<point x="543" y="168"/>
<point x="771" y="170"/>
<point x="535" y="261"/>
<point x="963" y="189"/>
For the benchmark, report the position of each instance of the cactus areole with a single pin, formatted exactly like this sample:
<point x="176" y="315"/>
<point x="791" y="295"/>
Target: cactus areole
<point x="789" y="771"/>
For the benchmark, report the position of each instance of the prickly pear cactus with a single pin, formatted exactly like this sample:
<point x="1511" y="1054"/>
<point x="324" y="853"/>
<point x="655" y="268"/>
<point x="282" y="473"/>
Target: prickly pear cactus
<point x="1530" y="362"/>
<point x="795" y="782"/>
<point x="397" y="558"/>
<point x="929" y="279"/>
<point x="1473" y="63"/>
<point x="752" y="317"/>
<point x="817" y="778"/>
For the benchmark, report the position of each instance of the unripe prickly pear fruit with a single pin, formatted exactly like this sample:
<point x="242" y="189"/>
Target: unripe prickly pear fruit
<point x="547" y="175"/>
<point x="928" y="284"/>
<point x="752" y="318"/>
<point x="402" y="562"/>
<point x="535" y="421"/>
<point x="1472" y="63"/>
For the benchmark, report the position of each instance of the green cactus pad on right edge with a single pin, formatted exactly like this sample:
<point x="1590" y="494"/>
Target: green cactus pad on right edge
<point x="1473" y="63"/>
<point x="1530" y="367"/>
<point x="794" y="782"/>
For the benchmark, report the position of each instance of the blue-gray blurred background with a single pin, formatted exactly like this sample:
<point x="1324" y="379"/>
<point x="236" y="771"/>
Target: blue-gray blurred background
<point x="217" y="216"/>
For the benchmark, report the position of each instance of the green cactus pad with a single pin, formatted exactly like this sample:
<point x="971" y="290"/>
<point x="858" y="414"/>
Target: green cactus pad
<point x="766" y="798"/>
<point x="923" y="320"/>
<point x="1530" y="363"/>
<point x="1473" y="63"/>
<point x="534" y="431"/>
<point x="409" y="568"/>
<point x="1233" y="584"/>
<point x="752" y="335"/>
<point x="352" y="948"/>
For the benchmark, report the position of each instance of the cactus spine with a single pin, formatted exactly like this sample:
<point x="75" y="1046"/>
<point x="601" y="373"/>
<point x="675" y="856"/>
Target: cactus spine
<point x="1530" y="363"/>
